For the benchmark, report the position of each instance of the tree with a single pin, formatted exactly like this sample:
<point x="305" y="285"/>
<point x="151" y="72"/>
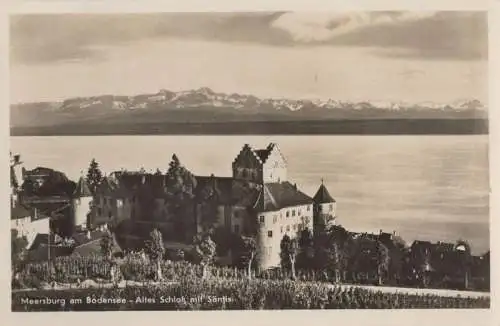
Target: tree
<point x="155" y="250"/>
<point x="209" y="202"/>
<point x="248" y="250"/>
<point x="463" y="250"/>
<point x="383" y="261"/>
<point x="205" y="250"/>
<point x="94" y="176"/>
<point x="107" y="243"/>
<point x="305" y="256"/>
<point x="289" y="250"/>
<point x="180" y="184"/>
<point x="18" y="248"/>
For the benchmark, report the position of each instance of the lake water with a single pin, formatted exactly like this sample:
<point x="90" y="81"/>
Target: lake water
<point x="422" y="187"/>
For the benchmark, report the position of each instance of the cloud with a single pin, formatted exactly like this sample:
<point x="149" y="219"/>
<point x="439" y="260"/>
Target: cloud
<point x="46" y="38"/>
<point x="313" y="27"/>
<point x="421" y="35"/>
<point x="37" y="39"/>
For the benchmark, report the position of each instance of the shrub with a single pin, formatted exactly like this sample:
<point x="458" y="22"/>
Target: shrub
<point x="194" y="293"/>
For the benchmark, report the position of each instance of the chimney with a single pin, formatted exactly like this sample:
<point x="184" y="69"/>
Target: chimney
<point x="17" y="159"/>
<point x="380" y="231"/>
<point x="295" y="186"/>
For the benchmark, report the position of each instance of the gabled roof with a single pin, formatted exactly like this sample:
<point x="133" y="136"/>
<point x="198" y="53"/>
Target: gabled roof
<point x="261" y="155"/>
<point x="323" y="196"/>
<point x="82" y="189"/>
<point x="113" y="188"/>
<point x="227" y="191"/>
<point x="278" y="195"/>
<point x="264" y="154"/>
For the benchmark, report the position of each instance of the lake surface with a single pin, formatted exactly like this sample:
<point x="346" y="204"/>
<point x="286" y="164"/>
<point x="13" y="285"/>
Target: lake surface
<point x="422" y="187"/>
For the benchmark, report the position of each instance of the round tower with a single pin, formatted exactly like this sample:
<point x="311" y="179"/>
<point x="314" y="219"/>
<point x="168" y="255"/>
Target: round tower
<point x="81" y="204"/>
<point x="325" y="208"/>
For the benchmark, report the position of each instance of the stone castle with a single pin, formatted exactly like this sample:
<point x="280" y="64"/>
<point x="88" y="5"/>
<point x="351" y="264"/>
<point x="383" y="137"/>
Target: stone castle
<point x="257" y="200"/>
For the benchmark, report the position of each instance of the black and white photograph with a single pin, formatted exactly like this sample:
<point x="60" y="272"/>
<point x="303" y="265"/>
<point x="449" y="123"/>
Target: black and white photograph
<point x="259" y="160"/>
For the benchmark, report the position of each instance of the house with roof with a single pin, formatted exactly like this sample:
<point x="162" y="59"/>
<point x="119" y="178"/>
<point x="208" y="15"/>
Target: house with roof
<point x="258" y="199"/>
<point x="28" y="222"/>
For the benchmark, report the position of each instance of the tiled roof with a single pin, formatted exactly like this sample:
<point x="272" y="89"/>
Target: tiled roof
<point x="220" y="188"/>
<point x="227" y="191"/>
<point x="323" y="196"/>
<point x="279" y="195"/>
<point x="40" y="239"/>
<point x="111" y="187"/>
<point x="82" y="189"/>
<point x="93" y="247"/>
<point x="81" y="238"/>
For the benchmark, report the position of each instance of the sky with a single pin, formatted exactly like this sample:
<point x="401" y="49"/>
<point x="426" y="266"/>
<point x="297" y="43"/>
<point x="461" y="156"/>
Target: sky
<point x="356" y="56"/>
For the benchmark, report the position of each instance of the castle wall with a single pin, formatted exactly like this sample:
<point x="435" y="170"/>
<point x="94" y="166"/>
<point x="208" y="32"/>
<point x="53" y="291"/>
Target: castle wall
<point x="274" y="170"/>
<point x="272" y="228"/>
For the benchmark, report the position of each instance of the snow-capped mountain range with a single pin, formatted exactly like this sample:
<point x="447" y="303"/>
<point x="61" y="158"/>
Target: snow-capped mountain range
<point x="205" y="111"/>
<point x="205" y="97"/>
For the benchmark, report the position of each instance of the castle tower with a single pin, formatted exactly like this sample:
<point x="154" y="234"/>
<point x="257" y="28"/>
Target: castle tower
<point x="260" y="166"/>
<point x="325" y="208"/>
<point x="81" y="204"/>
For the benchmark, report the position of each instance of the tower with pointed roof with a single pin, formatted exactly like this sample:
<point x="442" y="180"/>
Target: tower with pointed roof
<point x="325" y="208"/>
<point x="82" y="204"/>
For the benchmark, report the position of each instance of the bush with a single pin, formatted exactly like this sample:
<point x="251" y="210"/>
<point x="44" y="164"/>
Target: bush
<point x="193" y="293"/>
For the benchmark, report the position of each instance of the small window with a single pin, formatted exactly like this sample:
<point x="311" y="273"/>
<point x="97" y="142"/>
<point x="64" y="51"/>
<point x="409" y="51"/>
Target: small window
<point x="295" y="227"/>
<point x="270" y="234"/>
<point x="308" y="208"/>
<point x="299" y="212"/>
<point x="261" y="219"/>
<point x="287" y="213"/>
<point x="331" y="207"/>
<point x="288" y="228"/>
<point x="293" y="212"/>
<point x="275" y="218"/>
